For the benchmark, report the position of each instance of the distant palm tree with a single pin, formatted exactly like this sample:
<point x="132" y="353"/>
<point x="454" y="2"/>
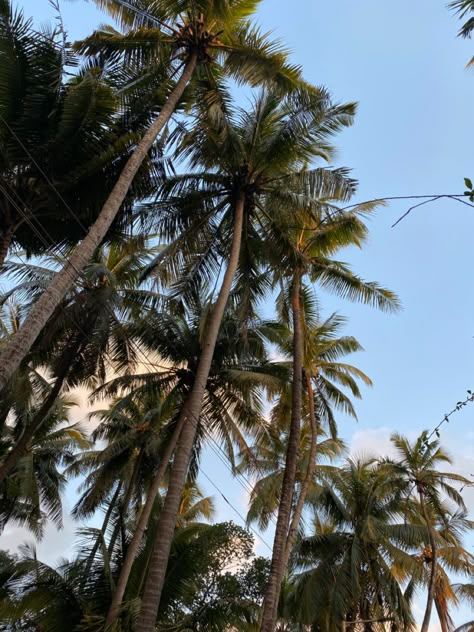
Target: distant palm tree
<point x="304" y="244"/>
<point x="417" y="472"/>
<point x="88" y="334"/>
<point x="345" y="571"/>
<point x="32" y="492"/>
<point x="231" y="401"/>
<point x="74" y="595"/>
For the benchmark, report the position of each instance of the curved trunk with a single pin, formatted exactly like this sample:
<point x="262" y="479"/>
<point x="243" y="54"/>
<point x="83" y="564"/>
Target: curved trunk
<point x="19" y="345"/>
<point x="5" y="243"/>
<point x="295" y="521"/>
<point x="425" y="626"/>
<point x="139" y="532"/>
<point x="190" y="412"/>
<point x="277" y="569"/>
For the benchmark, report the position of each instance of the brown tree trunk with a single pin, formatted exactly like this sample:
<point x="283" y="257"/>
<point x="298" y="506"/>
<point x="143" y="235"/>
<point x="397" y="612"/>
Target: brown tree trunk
<point x="5" y="243"/>
<point x="295" y="521"/>
<point x="425" y="626"/>
<point x="124" y="505"/>
<point x="139" y="532"/>
<point x="19" y="345"/>
<point x="277" y="568"/>
<point x="191" y="412"/>
<point x="105" y="523"/>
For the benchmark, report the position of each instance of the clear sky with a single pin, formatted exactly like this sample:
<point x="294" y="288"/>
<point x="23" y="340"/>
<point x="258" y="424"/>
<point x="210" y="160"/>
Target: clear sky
<point x="413" y="135"/>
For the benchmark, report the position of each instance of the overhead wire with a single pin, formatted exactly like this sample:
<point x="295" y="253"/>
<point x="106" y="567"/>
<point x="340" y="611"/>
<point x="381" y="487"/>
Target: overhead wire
<point x="216" y="448"/>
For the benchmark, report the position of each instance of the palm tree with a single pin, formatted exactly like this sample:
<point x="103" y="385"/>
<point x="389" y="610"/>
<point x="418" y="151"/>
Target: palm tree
<point x="32" y="492"/>
<point x="88" y="333"/>
<point x="67" y="132"/>
<point x="464" y="8"/>
<point x="305" y="246"/>
<point x="213" y="36"/>
<point x="416" y="469"/>
<point x="74" y="595"/>
<point x="231" y="402"/>
<point x="248" y="156"/>
<point x="346" y="570"/>
<point x="265" y="461"/>
<point x="322" y="373"/>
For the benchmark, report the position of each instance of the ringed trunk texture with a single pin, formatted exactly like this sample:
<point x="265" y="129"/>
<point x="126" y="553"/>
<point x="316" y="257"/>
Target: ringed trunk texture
<point x="21" y="342"/>
<point x="295" y="521"/>
<point x="277" y="568"/>
<point x="5" y="243"/>
<point x="135" y="542"/>
<point x="425" y="626"/>
<point x="190" y="413"/>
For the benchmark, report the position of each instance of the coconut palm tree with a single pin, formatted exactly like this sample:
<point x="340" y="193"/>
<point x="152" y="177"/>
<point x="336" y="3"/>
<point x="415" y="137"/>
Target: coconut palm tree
<point x="32" y="492"/>
<point x="214" y="37"/>
<point x="304" y="246"/>
<point x="247" y="156"/>
<point x="88" y="333"/>
<point x="345" y="571"/>
<point x="265" y="462"/>
<point x="417" y="472"/>
<point x="74" y="594"/>
<point x="55" y="129"/>
<point x="231" y="402"/>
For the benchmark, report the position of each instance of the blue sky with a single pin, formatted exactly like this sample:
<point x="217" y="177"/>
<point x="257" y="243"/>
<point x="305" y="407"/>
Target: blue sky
<point x="413" y="135"/>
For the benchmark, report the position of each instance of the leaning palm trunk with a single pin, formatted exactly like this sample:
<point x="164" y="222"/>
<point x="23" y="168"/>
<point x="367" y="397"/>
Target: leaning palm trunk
<point x="21" y="342"/>
<point x="277" y="569"/>
<point x="190" y="413"/>
<point x="425" y="626"/>
<point x="101" y="535"/>
<point x="295" y="521"/>
<point x="139" y="531"/>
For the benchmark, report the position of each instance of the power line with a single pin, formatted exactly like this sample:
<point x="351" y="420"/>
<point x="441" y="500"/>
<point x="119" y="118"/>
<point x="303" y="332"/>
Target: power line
<point x="236" y="510"/>
<point x="217" y="449"/>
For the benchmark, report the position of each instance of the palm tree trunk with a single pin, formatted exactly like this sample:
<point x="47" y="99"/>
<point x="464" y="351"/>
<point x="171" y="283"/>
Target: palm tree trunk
<point x="5" y="243"/>
<point x="295" y="521"/>
<point x="190" y="412"/>
<point x="19" y="345"/>
<point x="124" y="504"/>
<point x="139" y="532"/>
<point x="277" y="568"/>
<point x="434" y="561"/>
<point x="103" y="529"/>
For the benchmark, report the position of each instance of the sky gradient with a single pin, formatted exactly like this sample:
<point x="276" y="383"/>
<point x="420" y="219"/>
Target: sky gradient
<point x="413" y="135"/>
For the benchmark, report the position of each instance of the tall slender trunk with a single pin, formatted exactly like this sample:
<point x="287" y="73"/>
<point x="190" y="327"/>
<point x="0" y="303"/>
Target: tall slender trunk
<point x="19" y="345"/>
<point x="191" y="412"/>
<point x="105" y="524"/>
<point x="124" y="504"/>
<point x="5" y="243"/>
<point x="314" y="423"/>
<point x="277" y="568"/>
<point x="425" y="626"/>
<point x="139" y="532"/>
<point x="30" y="430"/>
